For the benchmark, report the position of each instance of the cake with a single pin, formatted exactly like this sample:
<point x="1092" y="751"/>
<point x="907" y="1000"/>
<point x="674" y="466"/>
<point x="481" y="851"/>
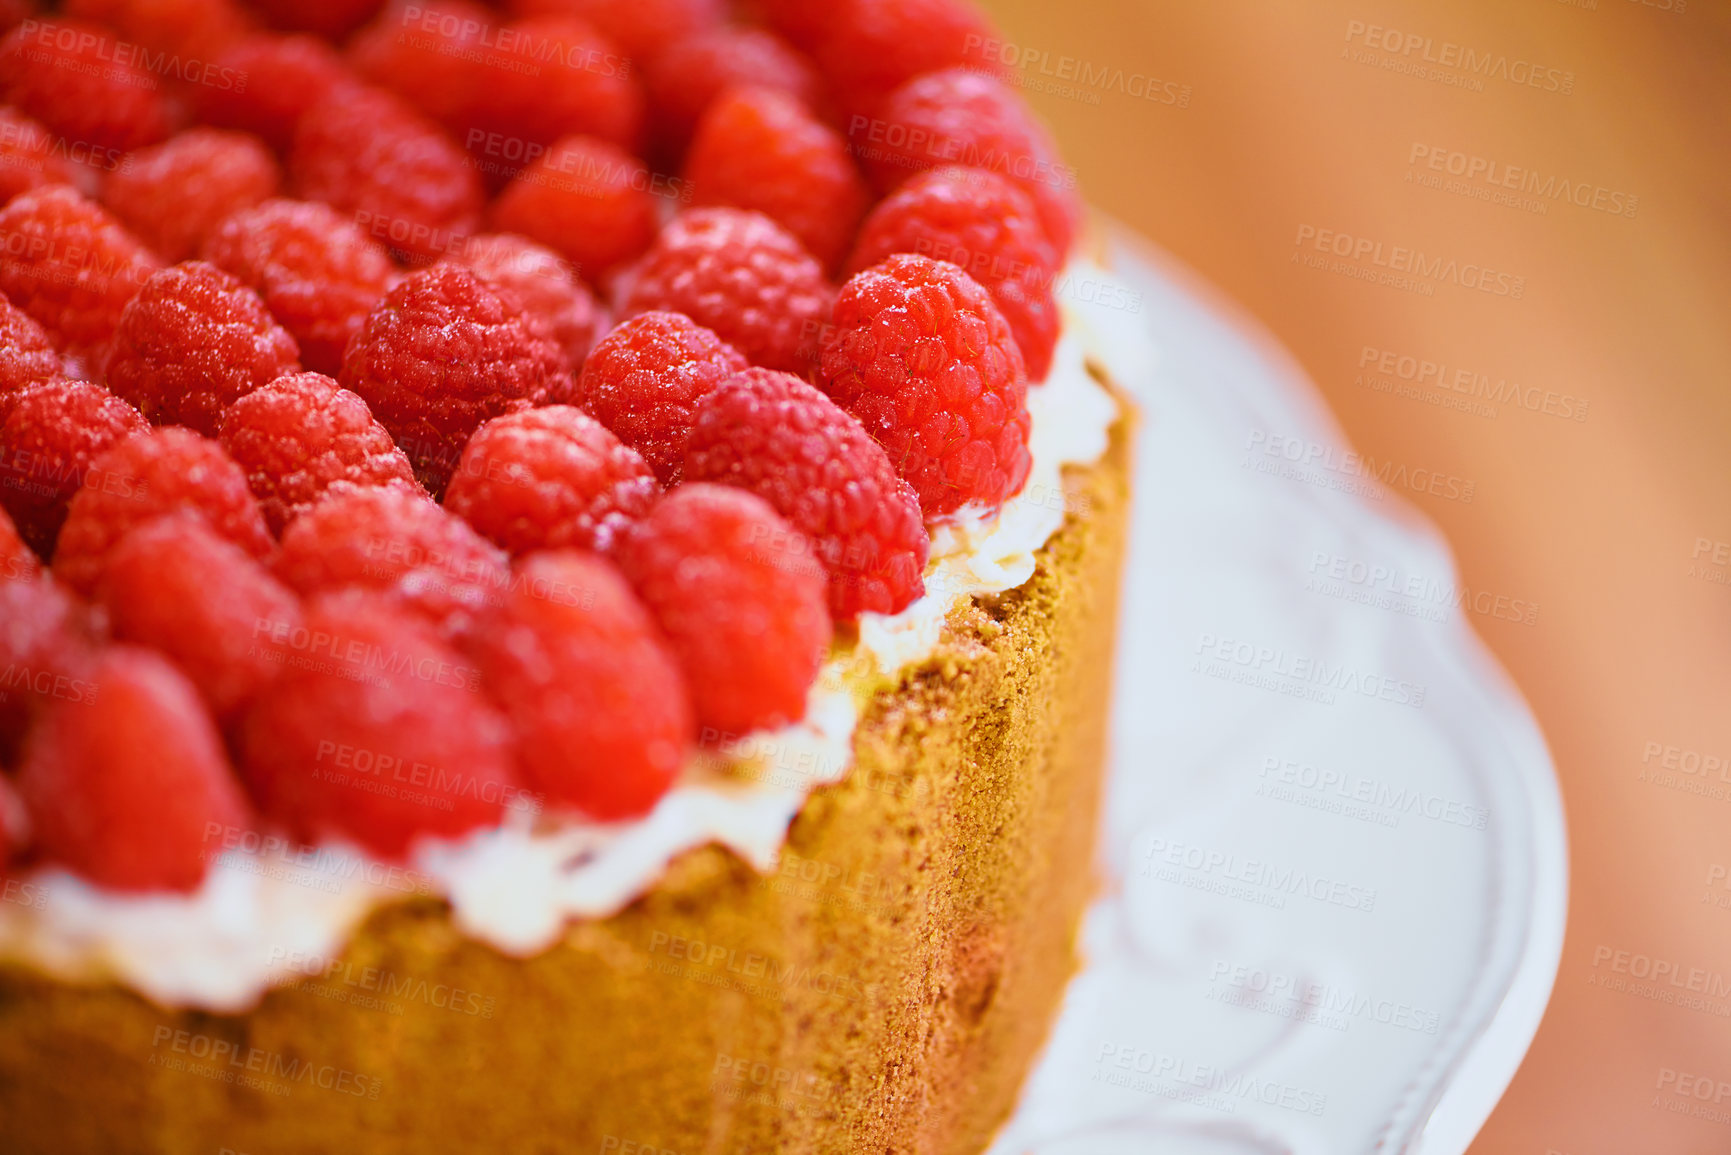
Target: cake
<point x="877" y="639"/>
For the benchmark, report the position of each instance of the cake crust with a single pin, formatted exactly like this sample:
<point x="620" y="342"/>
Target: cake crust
<point x="883" y="991"/>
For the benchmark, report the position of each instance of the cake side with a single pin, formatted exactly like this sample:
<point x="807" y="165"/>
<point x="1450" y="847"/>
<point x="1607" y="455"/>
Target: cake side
<point x="883" y="991"/>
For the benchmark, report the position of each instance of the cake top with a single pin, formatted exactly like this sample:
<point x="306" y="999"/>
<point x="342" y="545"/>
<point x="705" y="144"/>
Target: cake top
<point x="427" y="415"/>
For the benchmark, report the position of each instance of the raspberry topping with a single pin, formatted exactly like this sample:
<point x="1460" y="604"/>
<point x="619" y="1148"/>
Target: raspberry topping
<point x="174" y="585"/>
<point x="144" y="477"/>
<point x="123" y="785"/>
<point x="75" y="78"/>
<point x="299" y="436"/>
<point x="443" y="352"/>
<point x="963" y="117"/>
<point x="367" y="154"/>
<point x="328" y="18"/>
<point x="48" y="441"/>
<point x="645" y="378"/>
<point x="286" y="75"/>
<point x="70" y="266"/>
<point x="376" y="732"/>
<point x="27" y="356"/>
<point x="871" y="47"/>
<point x="550" y="478"/>
<point x="193" y="341"/>
<point x="585" y="199"/>
<point x="394" y="540"/>
<point x="742" y="275"/>
<point x="921" y="355"/>
<point x="988" y="226"/>
<point x="171" y="195"/>
<point x="545" y="286"/>
<point x="318" y="274"/>
<point x="29" y="155"/>
<point x="639" y="27"/>
<point x="690" y="73"/>
<point x="426" y="53"/>
<point x="774" y="435"/>
<point x="198" y="29"/>
<point x="758" y="148"/>
<point x="14" y="823"/>
<point x="601" y="713"/>
<point x="744" y="607"/>
<point x="45" y="647"/>
<point x="18" y="562"/>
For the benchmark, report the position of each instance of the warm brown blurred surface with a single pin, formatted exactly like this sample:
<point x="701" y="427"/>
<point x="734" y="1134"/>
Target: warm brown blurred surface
<point x="1271" y="123"/>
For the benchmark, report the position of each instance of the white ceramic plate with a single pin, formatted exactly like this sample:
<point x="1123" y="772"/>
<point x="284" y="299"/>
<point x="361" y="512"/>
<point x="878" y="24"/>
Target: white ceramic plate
<point x="1333" y="846"/>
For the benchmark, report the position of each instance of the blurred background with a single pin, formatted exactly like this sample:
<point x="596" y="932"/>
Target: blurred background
<point x="1498" y="236"/>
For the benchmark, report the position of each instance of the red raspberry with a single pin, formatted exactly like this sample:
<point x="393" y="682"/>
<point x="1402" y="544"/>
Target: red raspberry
<point x="801" y="21"/>
<point x="746" y="612"/>
<point x="396" y="541"/>
<point x="29" y="155"/>
<point x="285" y="76"/>
<point x="193" y="341"/>
<point x="27" y="356"/>
<point x="300" y="435"/>
<point x="366" y="153"/>
<point x="641" y="28"/>
<point x="75" y="78"/>
<point x="45" y="648"/>
<point x="381" y="737"/>
<point x="123" y="786"/>
<point x="774" y="435"/>
<point x="966" y="118"/>
<point x="53" y="433"/>
<point x="586" y="200"/>
<point x="742" y="275"/>
<point x="144" y="477"/>
<point x="645" y="378"/>
<point x="171" y="195"/>
<point x="921" y="355"/>
<point x="14" y="823"/>
<point x="70" y="266"/>
<point x="443" y="352"/>
<point x="988" y="226"/>
<point x="318" y="274"/>
<point x="175" y="586"/>
<point x="193" y="29"/>
<point x="548" y="479"/>
<point x="545" y="286"/>
<point x="691" y="72"/>
<point x="331" y="19"/>
<point x="18" y="562"/>
<point x="425" y="53"/>
<point x="760" y="149"/>
<point x="871" y="47"/>
<point x="601" y="713"/>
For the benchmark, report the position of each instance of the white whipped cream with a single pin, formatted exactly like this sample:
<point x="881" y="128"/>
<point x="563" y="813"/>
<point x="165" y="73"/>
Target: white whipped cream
<point x="268" y="914"/>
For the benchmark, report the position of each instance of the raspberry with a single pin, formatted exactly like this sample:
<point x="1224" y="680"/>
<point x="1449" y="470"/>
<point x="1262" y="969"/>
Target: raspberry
<point x="29" y="155"/>
<point x="691" y="72"/>
<point x="645" y="378"/>
<point x="70" y="266"/>
<point x="381" y="737"/>
<point x="299" y="436"/>
<point x="550" y="478"/>
<point x="318" y="274"/>
<point x="742" y="275"/>
<point x="122" y="787"/>
<point x="366" y="153"/>
<point x="801" y="21"/>
<point x="601" y="713"/>
<point x="331" y="19"/>
<point x="45" y="648"/>
<point x="53" y="433"/>
<point x="144" y="477"/>
<point x="774" y="435"/>
<point x="393" y="540"/>
<point x="18" y="562"/>
<point x="425" y="54"/>
<point x="175" y="586"/>
<point x="75" y="78"/>
<point x="871" y="47"/>
<point x="988" y="226"/>
<point x="286" y="75"/>
<point x="27" y="357"/>
<point x="639" y="27"/>
<point x="544" y="285"/>
<point x="195" y="29"/>
<point x="172" y="194"/>
<point x="586" y="200"/>
<point x="966" y="117"/>
<point x="922" y="357"/>
<point x="14" y="824"/>
<point x="443" y="352"/>
<point x="746" y="614"/>
<point x="757" y="148"/>
<point x="191" y="342"/>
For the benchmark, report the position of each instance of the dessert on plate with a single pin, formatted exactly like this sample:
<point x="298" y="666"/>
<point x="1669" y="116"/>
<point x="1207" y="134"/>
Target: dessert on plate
<point x="560" y="566"/>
